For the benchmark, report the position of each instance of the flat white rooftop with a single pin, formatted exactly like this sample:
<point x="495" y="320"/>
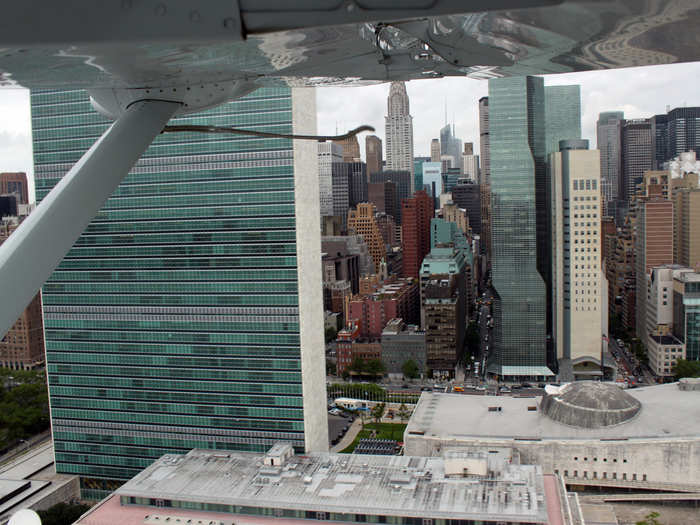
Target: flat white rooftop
<point x="667" y="412"/>
<point x="341" y="484"/>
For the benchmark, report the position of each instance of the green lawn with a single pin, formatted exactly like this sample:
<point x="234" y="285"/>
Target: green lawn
<point x="384" y="431"/>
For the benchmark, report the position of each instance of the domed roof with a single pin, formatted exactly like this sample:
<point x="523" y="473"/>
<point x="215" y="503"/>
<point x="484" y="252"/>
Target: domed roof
<point x="590" y="404"/>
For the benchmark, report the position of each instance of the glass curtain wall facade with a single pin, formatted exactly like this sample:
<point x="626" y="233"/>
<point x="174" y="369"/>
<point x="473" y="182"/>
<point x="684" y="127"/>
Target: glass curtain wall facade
<point x="609" y="137"/>
<point x="173" y="322"/>
<point x="517" y="147"/>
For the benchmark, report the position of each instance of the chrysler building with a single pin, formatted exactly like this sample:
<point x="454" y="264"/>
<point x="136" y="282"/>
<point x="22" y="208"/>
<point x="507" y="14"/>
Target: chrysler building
<point x="399" y="131"/>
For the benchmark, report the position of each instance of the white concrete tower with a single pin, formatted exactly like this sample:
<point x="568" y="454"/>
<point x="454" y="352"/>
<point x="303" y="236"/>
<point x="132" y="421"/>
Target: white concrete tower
<point x="576" y="255"/>
<point x="399" y="131"/>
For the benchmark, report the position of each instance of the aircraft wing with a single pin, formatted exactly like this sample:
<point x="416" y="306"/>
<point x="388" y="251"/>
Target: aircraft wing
<point x="180" y="43"/>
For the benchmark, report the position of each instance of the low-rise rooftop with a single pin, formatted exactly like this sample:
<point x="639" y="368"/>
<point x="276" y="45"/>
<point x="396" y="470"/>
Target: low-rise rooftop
<point x="462" y="485"/>
<point x="666" y="412"/>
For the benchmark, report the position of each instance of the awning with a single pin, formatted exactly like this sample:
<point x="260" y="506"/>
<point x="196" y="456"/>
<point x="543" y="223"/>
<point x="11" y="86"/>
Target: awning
<point x="526" y="371"/>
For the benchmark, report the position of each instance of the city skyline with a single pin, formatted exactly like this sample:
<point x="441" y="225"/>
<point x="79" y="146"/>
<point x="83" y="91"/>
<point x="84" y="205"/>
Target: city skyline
<point x="610" y="90"/>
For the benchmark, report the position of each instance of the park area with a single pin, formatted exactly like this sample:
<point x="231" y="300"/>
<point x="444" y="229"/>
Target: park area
<point x="392" y="431"/>
<point x="24" y="406"/>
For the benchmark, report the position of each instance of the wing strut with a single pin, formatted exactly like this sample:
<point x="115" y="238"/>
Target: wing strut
<point x="34" y="250"/>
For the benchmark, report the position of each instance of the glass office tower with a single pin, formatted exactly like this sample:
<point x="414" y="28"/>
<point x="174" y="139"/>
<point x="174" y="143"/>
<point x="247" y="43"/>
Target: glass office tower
<point x="517" y="148"/>
<point x="176" y="321"/>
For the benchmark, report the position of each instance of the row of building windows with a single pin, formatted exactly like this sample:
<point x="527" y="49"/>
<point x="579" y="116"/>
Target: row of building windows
<point x="587" y="184"/>
<point x="236" y="385"/>
<point x="261" y="224"/>
<point x="67" y="438"/>
<point x="261" y="275"/>
<point x="174" y="349"/>
<point x="586" y="198"/>
<point x="175" y="409"/>
<point x="211" y="374"/>
<point x="113" y="428"/>
<point x="197" y="212"/>
<point x="172" y="419"/>
<point x="209" y="168"/>
<point x="171" y="300"/>
<point x="269" y="401"/>
<point x="269" y="365"/>
<point x="303" y="514"/>
<point x="603" y="475"/>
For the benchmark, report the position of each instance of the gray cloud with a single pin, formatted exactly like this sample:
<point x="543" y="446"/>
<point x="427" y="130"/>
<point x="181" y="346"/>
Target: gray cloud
<point x="639" y="92"/>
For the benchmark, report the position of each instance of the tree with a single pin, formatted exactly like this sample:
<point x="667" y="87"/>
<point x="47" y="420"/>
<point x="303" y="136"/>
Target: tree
<point x="331" y="333"/>
<point x="410" y="369"/>
<point x="374" y="367"/>
<point x="62" y="514"/>
<point x="404" y="413"/>
<point x="640" y="351"/>
<point x="331" y="368"/>
<point x="378" y="412"/>
<point x="650" y="519"/>
<point x="357" y="365"/>
<point x="686" y="368"/>
<point x="24" y="407"/>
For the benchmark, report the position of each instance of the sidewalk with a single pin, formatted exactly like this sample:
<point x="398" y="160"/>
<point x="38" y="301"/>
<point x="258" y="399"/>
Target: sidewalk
<point x="25" y="446"/>
<point x="349" y="436"/>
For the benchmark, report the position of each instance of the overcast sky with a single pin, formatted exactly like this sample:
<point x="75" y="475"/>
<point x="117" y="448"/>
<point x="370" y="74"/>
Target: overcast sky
<point x="639" y="92"/>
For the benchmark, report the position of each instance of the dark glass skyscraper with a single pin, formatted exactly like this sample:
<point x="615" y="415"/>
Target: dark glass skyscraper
<point x="517" y="148"/>
<point x="683" y="131"/>
<point x="177" y="319"/>
<point x="637" y="155"/>
<point x="609" y="141"/>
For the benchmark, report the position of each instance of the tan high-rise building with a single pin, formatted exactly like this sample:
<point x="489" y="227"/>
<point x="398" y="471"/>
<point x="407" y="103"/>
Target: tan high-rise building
<point x="351" y="149"/>
<point x="453" y="213"/>
<point x="373" y="153"/>
<point x="22" y="347"/>
<point x="579" y="293"/>
<point x="362" y="222"/>
<point x="435" y="150"/>
<point x="686" y="228"/>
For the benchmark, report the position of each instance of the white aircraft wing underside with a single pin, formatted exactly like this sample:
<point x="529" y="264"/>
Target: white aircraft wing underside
<point x="176" y="44"/>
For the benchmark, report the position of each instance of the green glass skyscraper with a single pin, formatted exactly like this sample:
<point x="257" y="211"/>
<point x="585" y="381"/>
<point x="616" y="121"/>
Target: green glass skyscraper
<point x="182" y="318"/>
<point x="517" y="141"/>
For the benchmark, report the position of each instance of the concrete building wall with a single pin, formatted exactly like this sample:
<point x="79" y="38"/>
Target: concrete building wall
<point x="577" y="264"/>
<point x="308" y="238"/>
<point x="665" y="461"/>
<point x="687" y="227"/>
